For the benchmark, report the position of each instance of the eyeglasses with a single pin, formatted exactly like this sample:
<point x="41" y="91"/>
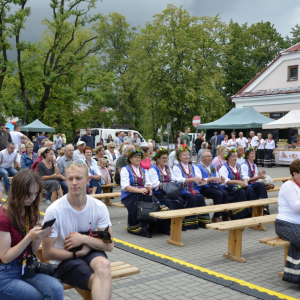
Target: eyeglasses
<point x="76" y="162"/>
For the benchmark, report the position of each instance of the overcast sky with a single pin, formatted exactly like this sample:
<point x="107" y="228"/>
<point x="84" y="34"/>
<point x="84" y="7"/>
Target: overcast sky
<point x="284" y="14"/>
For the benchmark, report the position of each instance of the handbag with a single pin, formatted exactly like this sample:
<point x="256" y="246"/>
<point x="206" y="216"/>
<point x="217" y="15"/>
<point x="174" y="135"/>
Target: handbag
<point x="172" y="190"/>
<point x="144" y="208"/>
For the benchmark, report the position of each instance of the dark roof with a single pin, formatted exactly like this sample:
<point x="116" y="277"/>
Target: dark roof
<point x="289" y="50"/>
<point x="289" y="90"/>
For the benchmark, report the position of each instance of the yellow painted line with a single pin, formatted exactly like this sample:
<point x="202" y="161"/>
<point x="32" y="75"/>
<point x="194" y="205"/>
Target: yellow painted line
<point x="210" y="272"/>
<point x="41" y="213"/>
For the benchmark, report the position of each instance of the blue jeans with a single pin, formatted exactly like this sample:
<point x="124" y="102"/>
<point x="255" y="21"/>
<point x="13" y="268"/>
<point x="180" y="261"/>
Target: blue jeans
<point x="213" y="152"/>
<point x="64" y="187"/>
<point x="93" y="183"/>
<point x="40" y="287"/>
<point x="5" y="173"/>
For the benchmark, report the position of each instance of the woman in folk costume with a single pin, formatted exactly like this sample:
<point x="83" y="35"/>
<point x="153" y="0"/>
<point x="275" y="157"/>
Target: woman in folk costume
<point x="213" y="188"/>
<point x="192" y="178"/>
<point x="250" y="169"/>
<point x="135" y="186"/>
<point x="260" y="150"/>
<point x="269" y="161"/>
<point x="236" y="183"/>
<point x="159" y="173"/>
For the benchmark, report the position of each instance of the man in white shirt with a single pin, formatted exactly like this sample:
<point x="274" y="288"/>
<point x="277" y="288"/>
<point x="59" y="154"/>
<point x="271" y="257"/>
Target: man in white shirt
<point x="240" y="153"/>
<point x="17" y="136"/>
<point x="136" y="139"/>
<point x="129" y="137"/>
<point x="79" y="151"/>
<point x="7" y="157"/>
<point x="254" y="140"/>
<point x="82" y="259"/>
<point x="242" y="141"/>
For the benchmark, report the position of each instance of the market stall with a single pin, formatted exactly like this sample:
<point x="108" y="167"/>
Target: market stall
<point x="287" y="151"/>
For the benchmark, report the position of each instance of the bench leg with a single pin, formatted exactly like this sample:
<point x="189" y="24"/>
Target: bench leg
<point x="86" y="295"/>
<point x="286" y="251"/>
<point x="107" y="202"/>
<point x="176" y="229"/>
<point x="258" y="211"/>
<point x="235" y="238"/>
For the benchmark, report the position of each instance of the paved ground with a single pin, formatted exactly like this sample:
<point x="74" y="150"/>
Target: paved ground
<point x="203" y="248"/>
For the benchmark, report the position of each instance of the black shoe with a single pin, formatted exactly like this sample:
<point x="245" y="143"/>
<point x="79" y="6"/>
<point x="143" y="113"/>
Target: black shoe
<point x="148" y="234"/>
<point x="266" y="212"/>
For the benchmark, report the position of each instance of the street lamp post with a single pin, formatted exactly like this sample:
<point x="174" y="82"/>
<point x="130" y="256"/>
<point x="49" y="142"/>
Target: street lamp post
<point x="25" y="102"/>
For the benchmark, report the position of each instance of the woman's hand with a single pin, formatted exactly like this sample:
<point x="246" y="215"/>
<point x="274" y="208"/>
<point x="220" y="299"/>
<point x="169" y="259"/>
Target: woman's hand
<point x="143" y="191"/>
<point x="37" y="233"/>
<point x="243" y="184"/>
<point x="54" y="159"/>
<point x="197" y="180"/>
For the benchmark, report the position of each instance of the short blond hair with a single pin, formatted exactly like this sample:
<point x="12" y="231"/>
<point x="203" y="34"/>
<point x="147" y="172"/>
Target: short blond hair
<point x="28" y="144"/>
<point x="73" y="166"/>
<point x="220" y="149"/>
<point x="111" y="144"/>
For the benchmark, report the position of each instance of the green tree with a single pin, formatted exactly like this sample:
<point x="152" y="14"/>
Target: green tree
<point x="249" y="50"/>
<point x="177" y="61"/>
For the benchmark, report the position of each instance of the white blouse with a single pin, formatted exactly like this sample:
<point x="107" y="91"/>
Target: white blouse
<point x="262" y="144"/>
<point x="270" y="145"/>
<point x="178" y="174"/>
<point x="110" y="158"/>
<point x="245" y="168"/>
<point x="233" y="142"/>
<point x="242" y="142"/>
<point x="155" y="180"/>
<point x="289" y="203"/>
<point x="224" y="173"/>
<point x="225" y="143"/>
<point x="125" y="181"/>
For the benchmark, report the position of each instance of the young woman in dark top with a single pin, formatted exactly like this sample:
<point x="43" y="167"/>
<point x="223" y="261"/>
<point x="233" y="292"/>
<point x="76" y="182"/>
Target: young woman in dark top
<point x="18" y="216"/>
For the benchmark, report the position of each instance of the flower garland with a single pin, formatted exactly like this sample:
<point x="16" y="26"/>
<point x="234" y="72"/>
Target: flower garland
<point x="183" y="148"/>
<point x="248" y="150"/>
<point x="133" y="152"/>
<point x="160" y="152"/>
<point x="229" y="152"/>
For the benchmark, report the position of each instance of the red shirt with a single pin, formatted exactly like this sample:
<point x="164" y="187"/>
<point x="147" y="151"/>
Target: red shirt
<point x="146" y="164"/>
<point x="6" y="226"/>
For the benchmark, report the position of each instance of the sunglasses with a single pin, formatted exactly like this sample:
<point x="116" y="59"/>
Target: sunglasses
<point x="76" y="162"/>
<point x="112" y="147"/>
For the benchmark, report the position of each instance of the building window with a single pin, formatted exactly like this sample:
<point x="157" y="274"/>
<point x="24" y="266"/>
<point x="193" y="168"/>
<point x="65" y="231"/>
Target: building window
<point x="292" y="73"/>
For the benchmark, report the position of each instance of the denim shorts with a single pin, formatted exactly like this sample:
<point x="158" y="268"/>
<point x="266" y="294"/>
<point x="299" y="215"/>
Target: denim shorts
<point x="14" y="287"/>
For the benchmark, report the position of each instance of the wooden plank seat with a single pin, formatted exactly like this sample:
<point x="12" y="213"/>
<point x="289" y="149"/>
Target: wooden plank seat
<point x="276" y="241"/>
<point x="106" y="187"/>
<point x="283" y="179"/>
<point x="118" y="269"/>
<point x="235" y="233"/>
<point x="178" y="215"/>
<point x="106" y="196"/>
<point x="118" y="204"/>
<point x="276" y="189"/>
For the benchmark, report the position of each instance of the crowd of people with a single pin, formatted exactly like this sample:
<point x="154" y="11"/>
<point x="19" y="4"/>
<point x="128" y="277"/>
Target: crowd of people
<point x="227" y="173"/>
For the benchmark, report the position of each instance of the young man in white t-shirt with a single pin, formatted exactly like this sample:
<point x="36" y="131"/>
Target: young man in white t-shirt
<point x="17" y="136"/>
<point x="88" y="268"/>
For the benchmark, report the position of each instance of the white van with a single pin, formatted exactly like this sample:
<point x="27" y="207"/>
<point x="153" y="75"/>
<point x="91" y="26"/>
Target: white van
<point x="101" y="134"/>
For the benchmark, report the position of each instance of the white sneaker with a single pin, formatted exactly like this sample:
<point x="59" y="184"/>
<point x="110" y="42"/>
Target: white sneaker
<point x="48" y="202"/>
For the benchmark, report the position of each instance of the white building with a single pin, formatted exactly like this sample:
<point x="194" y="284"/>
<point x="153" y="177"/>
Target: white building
<point x="276" y="89"/>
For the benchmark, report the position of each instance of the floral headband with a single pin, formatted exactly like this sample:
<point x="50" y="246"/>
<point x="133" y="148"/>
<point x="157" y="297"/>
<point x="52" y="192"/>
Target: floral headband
<point x="160" y="152"/>
<point x="184" y="147"/>
<point x="135" y="152"/>
<point x="247" y="152"/>
<point x="228" y="153"/>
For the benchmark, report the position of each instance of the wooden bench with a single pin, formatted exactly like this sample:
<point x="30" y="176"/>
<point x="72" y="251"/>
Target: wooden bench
<point x="276" y="189"/>
<point x="235" y="234"/>
<point x="118" y="204"/>
<point x="106" y="197"/>
<point x="276" y="241"/>
<point x="283" y="179"/>
<point x="106" y="187"/>
<point x="118" y="269"/>
<point x="178" y="215"/>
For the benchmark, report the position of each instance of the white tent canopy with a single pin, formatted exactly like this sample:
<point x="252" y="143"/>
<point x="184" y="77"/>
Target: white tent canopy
<point x="290" y="120"/>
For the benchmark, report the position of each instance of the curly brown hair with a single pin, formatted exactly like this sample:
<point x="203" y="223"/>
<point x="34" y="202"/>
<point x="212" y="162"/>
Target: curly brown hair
<point x="18" y="193"/>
